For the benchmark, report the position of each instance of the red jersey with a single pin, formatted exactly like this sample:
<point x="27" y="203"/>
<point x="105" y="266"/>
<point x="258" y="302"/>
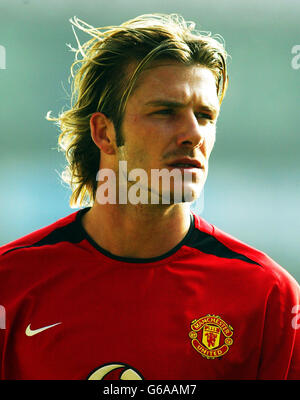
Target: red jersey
<point x="211" y="308"/>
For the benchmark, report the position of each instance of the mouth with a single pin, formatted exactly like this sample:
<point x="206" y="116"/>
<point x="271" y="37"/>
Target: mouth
<point x="186" y="163"/>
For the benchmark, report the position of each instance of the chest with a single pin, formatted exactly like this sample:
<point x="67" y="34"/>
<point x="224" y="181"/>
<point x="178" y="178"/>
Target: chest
<point x="170" y="325"/>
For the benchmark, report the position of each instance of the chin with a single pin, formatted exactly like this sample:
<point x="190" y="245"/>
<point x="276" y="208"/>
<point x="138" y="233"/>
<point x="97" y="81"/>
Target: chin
<point x="187" y="194"/>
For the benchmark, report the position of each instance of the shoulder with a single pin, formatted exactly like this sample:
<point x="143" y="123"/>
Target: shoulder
<point x="60" y="230"/>
<point x="261" y="265"/>
<point x="36" y="258"/>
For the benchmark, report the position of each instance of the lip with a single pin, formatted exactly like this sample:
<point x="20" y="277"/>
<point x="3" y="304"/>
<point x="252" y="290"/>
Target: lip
<point x="193" y="163"/>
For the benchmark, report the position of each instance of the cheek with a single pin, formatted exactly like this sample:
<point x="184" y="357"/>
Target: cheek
<point x="136" y="129"/>
<point x="210" y="142"/>
<point x="211" y="145"/>
<point x="137" y="154"/>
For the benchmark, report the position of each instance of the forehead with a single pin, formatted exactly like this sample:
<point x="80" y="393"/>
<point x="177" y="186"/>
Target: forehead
<point x="173" y="81"/>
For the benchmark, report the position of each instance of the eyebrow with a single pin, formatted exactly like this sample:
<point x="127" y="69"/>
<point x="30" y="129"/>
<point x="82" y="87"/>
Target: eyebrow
<point x="176" y="104"/>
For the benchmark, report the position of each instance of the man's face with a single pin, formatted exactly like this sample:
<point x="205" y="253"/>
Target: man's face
<point x="170" y="122"/>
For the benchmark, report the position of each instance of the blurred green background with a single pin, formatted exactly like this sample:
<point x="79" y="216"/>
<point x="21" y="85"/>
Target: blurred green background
<point x="253" y="186"/>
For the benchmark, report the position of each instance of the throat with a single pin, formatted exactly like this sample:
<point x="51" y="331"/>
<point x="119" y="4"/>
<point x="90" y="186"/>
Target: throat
<point x="136" y="237"/>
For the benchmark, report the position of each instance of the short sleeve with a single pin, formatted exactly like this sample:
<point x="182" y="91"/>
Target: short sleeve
<point x="280" y="357"/>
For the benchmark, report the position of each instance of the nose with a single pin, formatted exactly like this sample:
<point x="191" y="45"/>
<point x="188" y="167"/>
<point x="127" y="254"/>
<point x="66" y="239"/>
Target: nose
<point x="190" y="133"/>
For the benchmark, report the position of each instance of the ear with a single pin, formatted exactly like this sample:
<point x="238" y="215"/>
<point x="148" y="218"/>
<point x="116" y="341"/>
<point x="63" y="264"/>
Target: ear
<point x="103" y="133"/>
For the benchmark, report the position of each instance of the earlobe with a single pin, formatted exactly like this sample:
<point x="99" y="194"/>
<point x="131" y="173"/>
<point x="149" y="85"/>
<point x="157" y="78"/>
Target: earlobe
<point x="103" y="132"/>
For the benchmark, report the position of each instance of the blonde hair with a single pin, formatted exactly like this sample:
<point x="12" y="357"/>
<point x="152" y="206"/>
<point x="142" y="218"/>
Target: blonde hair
<point x="102" y="81"/>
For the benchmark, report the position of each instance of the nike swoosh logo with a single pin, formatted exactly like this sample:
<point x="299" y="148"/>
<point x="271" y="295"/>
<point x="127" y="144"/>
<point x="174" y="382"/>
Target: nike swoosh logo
<point x="30" y="332"/>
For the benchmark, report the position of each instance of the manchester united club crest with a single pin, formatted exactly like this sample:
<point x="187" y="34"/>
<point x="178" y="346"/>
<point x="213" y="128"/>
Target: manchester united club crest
<point x="211" y="336"/>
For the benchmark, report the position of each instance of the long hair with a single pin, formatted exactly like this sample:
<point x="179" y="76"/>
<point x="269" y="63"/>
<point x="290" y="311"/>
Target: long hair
<point x="104" y="74"/>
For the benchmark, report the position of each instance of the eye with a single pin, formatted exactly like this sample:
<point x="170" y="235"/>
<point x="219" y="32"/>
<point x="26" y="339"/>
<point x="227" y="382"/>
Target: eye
<point x="200" y="115"/>
<point x="165" y="111"/>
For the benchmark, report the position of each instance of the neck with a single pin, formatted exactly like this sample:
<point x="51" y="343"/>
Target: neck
<point x="137" y="231"/>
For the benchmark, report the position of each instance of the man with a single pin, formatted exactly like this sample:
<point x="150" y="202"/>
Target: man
<point x="145" y="289"/>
